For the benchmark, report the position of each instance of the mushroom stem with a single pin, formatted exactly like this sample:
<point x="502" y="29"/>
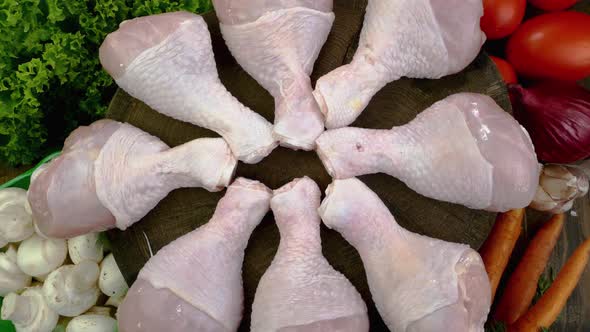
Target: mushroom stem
<point x="19" y="309"/>
<point x="83" y="276"/>
<point x="115" y="301"/>
<point x="98" y="310"/>
<point x="11" y="252"/>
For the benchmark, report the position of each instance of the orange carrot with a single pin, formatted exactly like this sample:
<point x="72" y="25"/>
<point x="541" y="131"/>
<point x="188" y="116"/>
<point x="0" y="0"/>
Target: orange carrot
<point x="546" y="310"/>
<point x="498" y="247"/>
<point x="522" y="284"/>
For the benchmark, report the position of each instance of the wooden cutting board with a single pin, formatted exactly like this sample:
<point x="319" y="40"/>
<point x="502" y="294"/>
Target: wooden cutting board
<point x="398" y="103"/>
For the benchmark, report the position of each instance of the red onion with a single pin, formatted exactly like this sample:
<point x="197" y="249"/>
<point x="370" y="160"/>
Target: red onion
<point x="557" y="116"/>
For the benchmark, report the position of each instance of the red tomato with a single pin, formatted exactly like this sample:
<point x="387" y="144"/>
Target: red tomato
<point x="505" y="69"/>
<point x="555" y="46"/>
<point x="501" y="17"/>
<point x="553" y="5"/>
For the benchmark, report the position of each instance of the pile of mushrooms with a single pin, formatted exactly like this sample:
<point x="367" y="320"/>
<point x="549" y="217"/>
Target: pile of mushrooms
<point x="46" y="282"/>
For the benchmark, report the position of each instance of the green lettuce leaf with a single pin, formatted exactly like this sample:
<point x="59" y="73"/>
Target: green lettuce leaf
<point x="50" y="78"/>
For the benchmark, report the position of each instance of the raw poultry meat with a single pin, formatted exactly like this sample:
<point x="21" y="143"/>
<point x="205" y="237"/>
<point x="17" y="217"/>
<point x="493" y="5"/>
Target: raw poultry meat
<point x="300" y="291"/>
<point x="111" y="174"/>
<point x="277" y="42"/>
<point x="419" y="284"/>
<point x="412" y="38"/>
<point x="463" y="149"/>
<point x="195" y="282"/>
<point x="167" y="62"/>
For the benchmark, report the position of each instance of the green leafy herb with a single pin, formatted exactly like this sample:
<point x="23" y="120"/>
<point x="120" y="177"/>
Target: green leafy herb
<point x="545" y="281"/>
<point x="59" y="328"/>
<point x="50" y="78"/>
<point x="103" y="240"/>
<point x="5" y="325"/>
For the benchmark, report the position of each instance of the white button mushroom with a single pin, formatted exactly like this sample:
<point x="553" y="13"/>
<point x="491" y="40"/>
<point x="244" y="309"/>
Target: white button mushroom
<point x="12" y="278"/>
<point x="99" y="310"/>
<point x="114" y="301"/>
<point x="92" y="323"/>
<point x="72" y="289"/>
<point x="29" y="312"/>
<point x="38" y="256"/>
<point x="16" y="220"/>
<point x="85" y="247"/>
<point x="111" y="280"/>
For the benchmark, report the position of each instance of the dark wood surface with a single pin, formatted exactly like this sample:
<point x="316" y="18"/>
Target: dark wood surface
<point x="399" y="102"/>
<point x="8" y="173"/>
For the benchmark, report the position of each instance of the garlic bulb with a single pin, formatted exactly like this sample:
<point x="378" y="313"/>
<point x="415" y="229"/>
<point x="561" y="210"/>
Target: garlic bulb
<point x="559" y="186"/>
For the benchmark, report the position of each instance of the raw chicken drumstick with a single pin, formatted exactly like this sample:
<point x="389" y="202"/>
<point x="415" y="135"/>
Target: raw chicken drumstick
<point x="412" y="38"/>
<point x="111" y="174"/>
<point x="195" y="282"/>
<point x="419" y="284"/>
<point x="300" y="291"/>
<point x="277" y="42"/>
<point x="167" y="62"/>
<point x="463" y="149"/>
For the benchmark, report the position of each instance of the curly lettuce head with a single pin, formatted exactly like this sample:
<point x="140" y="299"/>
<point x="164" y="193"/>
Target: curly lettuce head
<point x="50" y="78"/>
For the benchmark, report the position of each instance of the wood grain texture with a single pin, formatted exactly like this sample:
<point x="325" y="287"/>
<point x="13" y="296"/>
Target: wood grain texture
<point x="398" y="103"/>
<point x="7" y="172"/>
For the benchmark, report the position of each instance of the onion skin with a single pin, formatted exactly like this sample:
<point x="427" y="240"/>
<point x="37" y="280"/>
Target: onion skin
<point x="557" y="117"/>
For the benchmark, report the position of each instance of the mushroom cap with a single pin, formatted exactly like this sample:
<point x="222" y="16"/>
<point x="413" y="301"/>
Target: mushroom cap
<point x="111" y="281"/>
<point x="37" y="256"/>
<point x="92" y="323"/>
<point x="85" y="247"/>
<point x="71" y="289"/>
<point x="12" y="278"/>
<point x="16" y="220"/>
